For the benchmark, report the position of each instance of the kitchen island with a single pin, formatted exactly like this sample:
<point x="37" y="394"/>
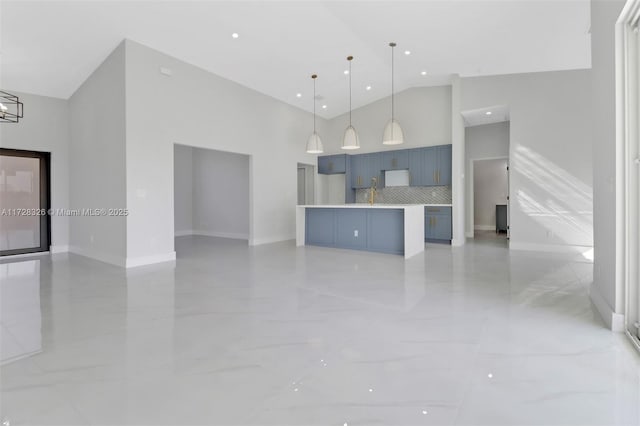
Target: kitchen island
<point x="384" y="228"/>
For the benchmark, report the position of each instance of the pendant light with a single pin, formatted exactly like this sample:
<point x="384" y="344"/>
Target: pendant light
<point x="392" y="131"/>
<point x="314" y="144"/>
<point x="350" y="139"/>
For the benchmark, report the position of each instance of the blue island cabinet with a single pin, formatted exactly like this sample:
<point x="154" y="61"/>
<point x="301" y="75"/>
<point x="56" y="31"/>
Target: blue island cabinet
<point x="379" y="230"/>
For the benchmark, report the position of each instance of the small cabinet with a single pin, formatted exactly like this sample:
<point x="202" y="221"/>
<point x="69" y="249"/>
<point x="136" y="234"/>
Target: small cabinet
<point x="364" y="167"/>
<point x="332" y="164"/>
<point x="430" y="166"/>
<point x="395" y="160"/>
<point x="437" y="224"/>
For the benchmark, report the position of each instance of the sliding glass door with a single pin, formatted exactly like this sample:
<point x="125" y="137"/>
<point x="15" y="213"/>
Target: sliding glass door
<point x="24" y="201"/>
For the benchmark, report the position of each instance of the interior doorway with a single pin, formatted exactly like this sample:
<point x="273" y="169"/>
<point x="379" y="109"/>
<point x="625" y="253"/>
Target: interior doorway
<point x="306" y="184"/>
<point x="211" y="193"/>
<point x="25" y="200"/>
<point x="490" y="198"/>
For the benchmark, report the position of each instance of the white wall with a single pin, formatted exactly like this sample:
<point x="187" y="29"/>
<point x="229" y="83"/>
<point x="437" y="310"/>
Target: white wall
<point x="550" y="154"/>
<point x="197" y="108"/>
<point x="97" y="161"/>
<point x="490" y="189"/>
<point x="424" y="114"/>
<point x="220" y="194"/>
<point x="183" y="189"/>
<point x="486" y="141"/>
<point x="45" y="128"/>
<point x="604" y="293"/>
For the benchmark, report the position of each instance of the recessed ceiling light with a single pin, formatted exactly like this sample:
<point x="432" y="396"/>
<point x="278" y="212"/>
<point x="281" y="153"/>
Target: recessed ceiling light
<point x="346" y="72"/>
<point x="235" y="35"/>
<point x="407" y="52"/>
<point x="298" y="95"/>
<point x="488" y="113"/>
<point x="368" y="88"/>
<point x="324" y="107"/>
<point x="423" y="73"/>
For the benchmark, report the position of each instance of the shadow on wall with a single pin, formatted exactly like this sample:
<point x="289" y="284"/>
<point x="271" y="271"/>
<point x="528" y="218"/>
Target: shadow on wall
<point x="554" y="198"/>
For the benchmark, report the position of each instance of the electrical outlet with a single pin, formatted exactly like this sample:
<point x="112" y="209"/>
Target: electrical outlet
<point x="355" y="233"/>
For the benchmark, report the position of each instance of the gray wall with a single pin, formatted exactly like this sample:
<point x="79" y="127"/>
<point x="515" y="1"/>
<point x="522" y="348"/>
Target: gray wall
<point x="490" y="189"/>
<point x="210" y="112"/>
<point x="183" y="189"/>
<point x="97" y="161"/>
<point x="486" y="141"/>
<point x="550" y="155"/>
<point x="220" y="194"/>
<point x="45" y="127"/>
<point x="603" y="291"/>
<point x="424" y="114"/>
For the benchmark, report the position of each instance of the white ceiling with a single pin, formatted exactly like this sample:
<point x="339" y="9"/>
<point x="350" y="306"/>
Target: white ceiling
<point x="51" y="47"/>
<point x="487" y="115"/>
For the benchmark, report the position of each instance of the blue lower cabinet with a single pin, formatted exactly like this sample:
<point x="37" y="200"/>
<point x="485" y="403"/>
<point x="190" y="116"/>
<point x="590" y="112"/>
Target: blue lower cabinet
<point x="320" y="227"/>
<point x="351" y="228"/>
<point x="380" y="230"/>
<point x="386" y="231"/>
<point x="437" y="224"/>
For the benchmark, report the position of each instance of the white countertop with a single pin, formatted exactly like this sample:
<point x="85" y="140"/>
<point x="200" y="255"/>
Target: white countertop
<point x="375" y="206"/>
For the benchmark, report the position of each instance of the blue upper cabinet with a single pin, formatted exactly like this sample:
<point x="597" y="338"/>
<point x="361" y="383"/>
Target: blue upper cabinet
<point x="430" y="170"/>
<point x="358" y="166"/>
<point x="444" y="165"/>
<point x="429" y="166"/>
<point x="364" y="167"/>
<point x="416" y="166"/>
<point x="332" y="164"/>
<point x="395" y="160"/>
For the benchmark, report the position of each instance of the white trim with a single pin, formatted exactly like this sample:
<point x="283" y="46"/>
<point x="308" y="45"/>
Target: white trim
<point x="230" y="235"/>
<point x="613" y="321"/>
<point x="269" y="240"/>
<point x="549" y="248"/>
<point x="484" y="227"/>
<point x="470" y="204"/>
<point x="58" y="249"/>
<point x="457" y="242"/>
<point x="627" y="285"/>
<point x="150" y="260"/>
<point x="470" y="234"/>
<point x="25" y="255"/>
<point x="99" y="256"/>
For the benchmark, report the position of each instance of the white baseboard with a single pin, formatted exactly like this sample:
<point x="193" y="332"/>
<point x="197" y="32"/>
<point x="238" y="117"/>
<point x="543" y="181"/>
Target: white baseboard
<point x="58" y="249"/>
<point x="99" y="256"/>
<point x="549" y="248"/>
<point x="269" y="240"/>
<point x="613" y="320"/>
<point x="458" y="242"/>
<point x="150" y="260"/>
<point x="231" y="235"/>
<point x="469" y="234"/>
<point x="484" y="227"/>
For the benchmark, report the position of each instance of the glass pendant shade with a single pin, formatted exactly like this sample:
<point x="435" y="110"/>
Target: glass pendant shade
<point x="350" y="139"/>
<point x="314" y="144"/>
<point x="392" y="134"/>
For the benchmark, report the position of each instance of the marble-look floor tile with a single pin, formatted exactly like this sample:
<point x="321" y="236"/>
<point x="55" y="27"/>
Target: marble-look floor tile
<point x="280" y="335"/>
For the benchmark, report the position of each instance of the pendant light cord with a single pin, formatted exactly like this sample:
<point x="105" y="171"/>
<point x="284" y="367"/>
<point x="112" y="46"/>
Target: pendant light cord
<point x="349" y="59"/>
<point x="314" y="102"/>
<point x="393" y="45"/>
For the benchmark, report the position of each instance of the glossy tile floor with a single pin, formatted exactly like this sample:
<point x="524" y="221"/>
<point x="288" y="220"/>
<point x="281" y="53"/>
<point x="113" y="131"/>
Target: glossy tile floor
<point x="279" y="335"/>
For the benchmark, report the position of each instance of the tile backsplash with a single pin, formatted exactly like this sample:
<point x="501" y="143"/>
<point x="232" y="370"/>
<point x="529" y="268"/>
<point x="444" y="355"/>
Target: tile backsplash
<point x="408" y="195"/>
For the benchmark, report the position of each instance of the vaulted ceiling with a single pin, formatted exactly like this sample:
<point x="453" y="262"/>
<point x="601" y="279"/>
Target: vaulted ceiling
<point x="51" y="47"/>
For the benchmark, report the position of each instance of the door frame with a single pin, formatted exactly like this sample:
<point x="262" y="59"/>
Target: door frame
<point x="471" y="196"/>
<point x="628" y="168"/>
<point x="45" y="199"/>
